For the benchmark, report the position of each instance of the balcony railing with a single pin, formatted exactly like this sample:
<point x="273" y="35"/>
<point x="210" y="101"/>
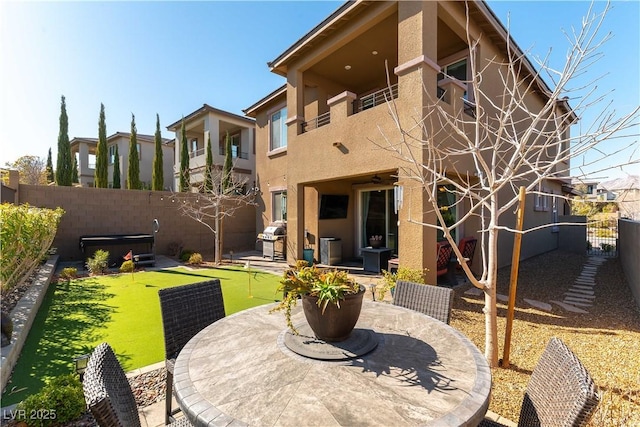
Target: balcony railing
<point x="197" y="153"/>
<point x="321" y="120"/>
<point x="234" y="154"/>
<point x="375" y="98"/>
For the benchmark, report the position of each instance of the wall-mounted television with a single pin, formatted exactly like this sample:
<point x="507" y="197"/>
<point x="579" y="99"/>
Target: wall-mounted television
<point x="333" y="206"/>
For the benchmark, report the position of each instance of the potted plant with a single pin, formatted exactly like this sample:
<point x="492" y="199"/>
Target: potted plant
<point x="375" y="241"/>
<point x="331" y="301"/>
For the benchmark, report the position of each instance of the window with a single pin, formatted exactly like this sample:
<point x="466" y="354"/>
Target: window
<point x="541" y="201"/>
<point x="194" y="145"/>
<point x="278" y="129"/>
<point x="235" y="147"/>
<point x="457" y="70"/>
<point x="555" y="227"/>
<point x="279" y="210"/>
<point x="112" y="154"/>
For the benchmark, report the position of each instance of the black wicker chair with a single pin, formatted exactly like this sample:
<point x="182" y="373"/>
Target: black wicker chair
<point x="431" y="300"/>
<point x="108" y="393"/>
<point x="560" y="391"/>
<point x="186" y="310"/>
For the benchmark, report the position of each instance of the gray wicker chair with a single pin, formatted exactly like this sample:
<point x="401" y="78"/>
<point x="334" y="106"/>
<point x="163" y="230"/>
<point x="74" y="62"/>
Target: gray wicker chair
<point x="560" y="391"/>
<point x="108" y="393"/>
<point x="186" y="310"/>
<point x="431" y="300"/>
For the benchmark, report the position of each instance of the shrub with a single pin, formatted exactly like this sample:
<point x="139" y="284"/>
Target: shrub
<point x="403" y="273"/>
<point x="98" y="264"/>
<point x="61" y="400"/>
<point x="606" y="247"/>
<point x="127" y="267"/>
<point x="185" y="255"/>
<point x="604" y="232"/>
<point x="69" y="273"/>
<point x="27" y="234"/>
<point x="195" y="259"/>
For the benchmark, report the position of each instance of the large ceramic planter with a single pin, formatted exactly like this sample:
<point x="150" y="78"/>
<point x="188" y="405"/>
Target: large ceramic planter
<point x="336" y="323"/>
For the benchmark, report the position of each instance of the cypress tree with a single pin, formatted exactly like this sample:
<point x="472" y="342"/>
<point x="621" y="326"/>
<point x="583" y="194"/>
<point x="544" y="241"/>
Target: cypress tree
<point x="133" y="169"/>
<point x="74" y="175"/>
<point x="227" y="182"/>
<point x="101" y="175"/>
<point x="208" y="178"/>
<point x="116" y="169"/>
<point x="184" y="160"/>
<point x="157" y="180"/>
<point x="50" y="176"/>
<point x="64" y="164"/>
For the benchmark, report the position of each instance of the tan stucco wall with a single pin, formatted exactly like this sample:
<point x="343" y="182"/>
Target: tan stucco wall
<point x="102" y="211"/>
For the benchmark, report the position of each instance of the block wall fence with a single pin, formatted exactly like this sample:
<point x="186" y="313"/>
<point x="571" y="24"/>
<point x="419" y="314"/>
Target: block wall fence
<point x="104" y="211"/>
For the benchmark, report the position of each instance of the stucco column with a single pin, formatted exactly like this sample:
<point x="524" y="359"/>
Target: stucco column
<point x="295" y="102"/>
<point x="417" y="73"/>
<point x="341" y="106"/>
<point x="212" y="128"/>
<point x="295" y="227"/>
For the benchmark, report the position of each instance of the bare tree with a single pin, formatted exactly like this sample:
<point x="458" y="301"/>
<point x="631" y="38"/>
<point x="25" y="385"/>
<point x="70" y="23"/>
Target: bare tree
<point x="211" y="206"/>
<point x="483" y="149"/>
<point x="32" y="170"/>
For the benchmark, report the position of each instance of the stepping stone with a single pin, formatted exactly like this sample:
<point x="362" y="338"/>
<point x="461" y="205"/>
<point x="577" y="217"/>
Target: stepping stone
<point x="586" y="298"/>
<point x="585" y="281"/>
<point x="539" y="304"/>
<point x="579" y="303"/>
<point x="587" y="274"/>
<point x="586" y="288"/>
<point x="577" y="290"/>
<point x="569" y="307"/>
<point x="502" y="298"/>
<point x="475" y="292"/>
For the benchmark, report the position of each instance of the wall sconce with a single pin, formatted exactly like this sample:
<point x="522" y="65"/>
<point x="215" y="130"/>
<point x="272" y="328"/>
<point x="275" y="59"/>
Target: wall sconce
<point x="80" y="364"/>
<point x="337" y="144"/>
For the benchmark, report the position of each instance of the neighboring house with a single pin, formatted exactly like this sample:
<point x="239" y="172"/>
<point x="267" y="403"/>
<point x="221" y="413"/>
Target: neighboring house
<point x="317" y="167"/>
<point x="627" y="195"/>
<point x="211" y="122"/>
<point x="85" y="149"/>
<point x="592" y="191"/>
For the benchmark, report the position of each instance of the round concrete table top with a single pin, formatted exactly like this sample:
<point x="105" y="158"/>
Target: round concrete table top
<point x="423" y="372"/>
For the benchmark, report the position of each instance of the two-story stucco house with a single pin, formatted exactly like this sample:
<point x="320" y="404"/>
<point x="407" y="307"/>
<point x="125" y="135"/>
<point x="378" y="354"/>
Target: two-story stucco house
<point x="209" y="122"/>
<point x="317" y="167"/>
<point x="85" y="150"/>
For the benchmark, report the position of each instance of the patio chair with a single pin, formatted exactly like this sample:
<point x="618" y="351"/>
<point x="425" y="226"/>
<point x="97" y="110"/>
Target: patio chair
<point x="444" y="257"/>
<point x="467" y="247"/>
<point x="560" y="391"/>
<point x="108" y="393"/>
<point x="431" y="300"/>
<point x="186" y="310"/>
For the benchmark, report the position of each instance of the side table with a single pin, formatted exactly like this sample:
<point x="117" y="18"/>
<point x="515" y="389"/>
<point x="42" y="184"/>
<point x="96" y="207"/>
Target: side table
<point x="374" y="260"/>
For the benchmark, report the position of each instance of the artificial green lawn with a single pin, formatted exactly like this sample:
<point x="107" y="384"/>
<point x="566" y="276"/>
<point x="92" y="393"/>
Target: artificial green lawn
<point x="123" y="310"/>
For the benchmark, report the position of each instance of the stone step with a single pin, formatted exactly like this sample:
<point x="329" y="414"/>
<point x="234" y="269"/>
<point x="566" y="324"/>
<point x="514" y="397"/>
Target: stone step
<point x="569" y="307"/>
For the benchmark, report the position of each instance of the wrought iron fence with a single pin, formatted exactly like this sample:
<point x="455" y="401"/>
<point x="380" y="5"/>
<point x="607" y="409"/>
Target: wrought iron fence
<point x="602" y="237"/>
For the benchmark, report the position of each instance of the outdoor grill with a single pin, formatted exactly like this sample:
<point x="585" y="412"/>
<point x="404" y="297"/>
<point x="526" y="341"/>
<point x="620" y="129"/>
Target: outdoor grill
<point x="273" y="240"/>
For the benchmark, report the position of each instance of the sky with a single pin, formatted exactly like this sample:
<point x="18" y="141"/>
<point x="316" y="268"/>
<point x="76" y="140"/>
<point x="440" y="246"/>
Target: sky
<point x="169" y="58"/>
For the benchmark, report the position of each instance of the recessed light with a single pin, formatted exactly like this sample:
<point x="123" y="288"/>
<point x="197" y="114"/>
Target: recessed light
<point x="347" y="67"/>
<point x="375" y="52"/>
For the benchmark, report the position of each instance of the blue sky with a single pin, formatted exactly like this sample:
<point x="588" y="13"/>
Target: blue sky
<point x="171" y="57"/>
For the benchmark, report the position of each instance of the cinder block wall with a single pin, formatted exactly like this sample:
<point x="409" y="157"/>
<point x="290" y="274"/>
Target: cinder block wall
<point x="629" y="250"/>
<point x="108" y="211"/>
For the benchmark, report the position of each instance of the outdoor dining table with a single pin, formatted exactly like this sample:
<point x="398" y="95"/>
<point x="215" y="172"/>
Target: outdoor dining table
<point x="241" y="370"/>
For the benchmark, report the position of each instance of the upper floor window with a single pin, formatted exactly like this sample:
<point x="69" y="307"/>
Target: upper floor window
<point x="456" y="70"/>
<point x="236" y="147"/>
<point x="112" y="154"/>
<point x="278" y="129"/>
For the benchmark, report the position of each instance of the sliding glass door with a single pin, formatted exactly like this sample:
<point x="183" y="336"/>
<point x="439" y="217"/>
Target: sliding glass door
<point x="377" y="218"/>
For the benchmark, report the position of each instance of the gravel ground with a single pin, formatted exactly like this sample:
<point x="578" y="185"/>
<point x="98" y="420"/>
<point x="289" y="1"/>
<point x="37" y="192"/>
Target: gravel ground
<point x="606" y="340"/>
